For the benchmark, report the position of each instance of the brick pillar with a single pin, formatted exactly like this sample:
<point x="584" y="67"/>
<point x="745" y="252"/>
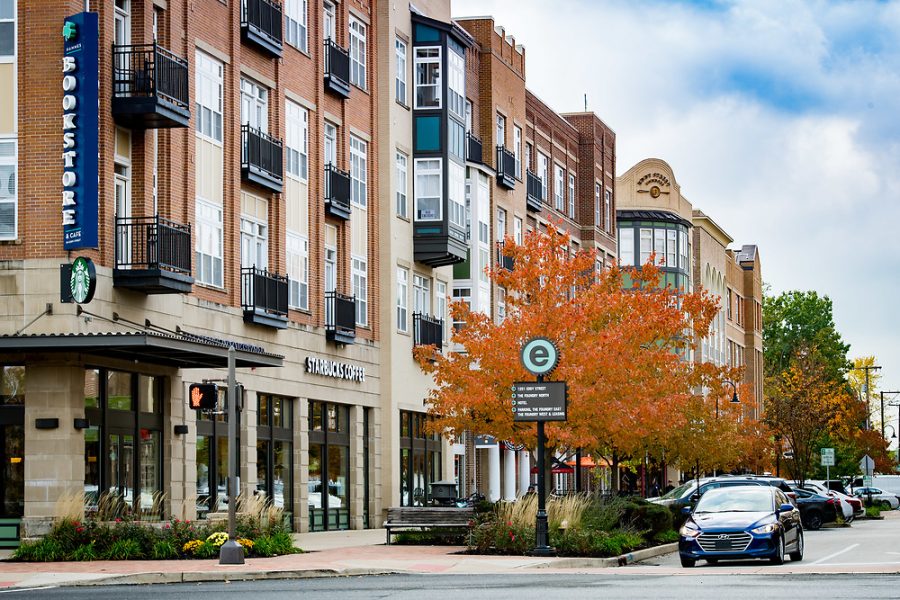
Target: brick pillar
<point x="301" y="466"/>
<point x="54" y="461"/>
<point x="357" y="468"/>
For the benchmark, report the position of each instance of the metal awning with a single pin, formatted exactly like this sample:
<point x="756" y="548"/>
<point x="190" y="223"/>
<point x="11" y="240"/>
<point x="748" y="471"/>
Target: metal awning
<point x="183" y="352"/>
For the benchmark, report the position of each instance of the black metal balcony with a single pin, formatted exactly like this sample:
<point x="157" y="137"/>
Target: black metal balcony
<point x="261" y="22"/>
<point x="337" y="69"/>
<point x="428" y="331"/>
<point x="473" y="149"/>
<point x="340" y="318"/>
<point x="150" y="87"/>
<point x="337" y="192"/>
<point x="504" y="260"/>
<point x="153" y="255"/>
<point x="506" y="168"/>
<point x="264" y="297"/>
<point x="262" y="160"/>
<point x="534" y="191"/>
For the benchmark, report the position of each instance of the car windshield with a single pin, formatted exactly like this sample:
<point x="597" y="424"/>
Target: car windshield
<point x="736" y="500"/>
<point x="679" y="491"/>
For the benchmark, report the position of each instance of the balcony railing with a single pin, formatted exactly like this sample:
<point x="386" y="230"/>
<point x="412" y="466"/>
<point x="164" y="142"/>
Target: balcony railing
<point x="504" y="260"/>
<point x="264" y="297"/>
<point x="153" y="255"/>
<point x="506" y="168"/>
<point x="534" y="191"/>
<point x="337" y="69"/>
<point x="428" y="331"/>
<point x="150" y="87"/>
<point x="262" y="158"/>
<point x="340" y="318"/>
<point x="473" y="149"/>
<point x="337" y="192"/>
<point x="261" y="24"/>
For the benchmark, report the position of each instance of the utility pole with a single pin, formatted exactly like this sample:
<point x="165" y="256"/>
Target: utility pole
<point x="868" y="368"/>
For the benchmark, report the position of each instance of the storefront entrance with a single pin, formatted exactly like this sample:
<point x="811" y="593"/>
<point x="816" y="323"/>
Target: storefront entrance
<point x="12" y="454"/>
<point x="329" y="466"/>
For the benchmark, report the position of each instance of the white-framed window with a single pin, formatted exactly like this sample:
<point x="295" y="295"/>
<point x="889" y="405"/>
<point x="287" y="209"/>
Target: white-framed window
<point x="330" y="259"/>
<point x="682" y="250"/>
<point x="626" y="247"/>
<point x="659" y="245"/>
<point x="428" y="77"/>
<point x="7" y="30"/>
<point x="329" y="20"/>
<point x="254" y="242"/>
<point x="646" y="245"/>
<point x="528" y="152"/>
<point x="597" y="222"/>
<point x="501" y="225"/>
<point x="440" y="305"/>
<point x="359" y="271"/>
<point x="517" y="230"/>
<point x="544" y="175"/>
<point x="517" y="149"/>
<point x="607" y="200"/>
<point x="296" y="140"/>
<point x="501" y="130"/>
<point x="209" y="73"/>
<point x="559" y="196"/>
<point x="357" y="53"/>
<point x="209" y="236"/>
<point x="456" y="197"/>
<point x="421" y="294"/>
<point x="456" y="83"/>
<point x="254" y="105"/>
<point x="400" y="81"/>
<point x="9" y="204"/>
<point x="468" y="116"/>
<point x="572" y="195"/>
<point x="671" y="248"/>
<point x="462" y="294"/>
<point x="329" y="145"/>
<point x="295" y="25"/>
<point x="402" y="201"/>
<point x="428" y="189"/>
<point x="298" y="270"/>
<point x="501" y="304"/>
<point x="358" y="171"/>
<point x="402" y="300"/>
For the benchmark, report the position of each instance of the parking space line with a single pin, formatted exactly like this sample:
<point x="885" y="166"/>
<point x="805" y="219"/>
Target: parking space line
<point x="830" y="556"/>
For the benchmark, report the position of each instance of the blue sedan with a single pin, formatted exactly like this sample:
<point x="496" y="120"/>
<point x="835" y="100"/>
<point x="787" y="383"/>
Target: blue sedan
<point x="741" y="522"/>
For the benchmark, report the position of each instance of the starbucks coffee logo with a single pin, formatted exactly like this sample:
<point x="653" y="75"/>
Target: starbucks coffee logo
<point x="83" y="280"/>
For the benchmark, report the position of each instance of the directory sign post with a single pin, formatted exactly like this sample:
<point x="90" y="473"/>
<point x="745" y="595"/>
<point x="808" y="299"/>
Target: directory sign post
<point x="544" y="401"/>
<point x="827" y="461"/>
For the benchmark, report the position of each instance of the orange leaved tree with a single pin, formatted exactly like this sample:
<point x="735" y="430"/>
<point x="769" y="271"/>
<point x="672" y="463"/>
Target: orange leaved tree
<point x="622" y="352"/>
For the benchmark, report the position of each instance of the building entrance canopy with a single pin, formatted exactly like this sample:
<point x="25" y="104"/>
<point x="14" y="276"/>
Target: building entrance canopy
<point x="181" y="351"/>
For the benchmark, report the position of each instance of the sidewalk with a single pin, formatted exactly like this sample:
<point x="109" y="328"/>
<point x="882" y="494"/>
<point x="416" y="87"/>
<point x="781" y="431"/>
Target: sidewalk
<point x="327" y="554"/>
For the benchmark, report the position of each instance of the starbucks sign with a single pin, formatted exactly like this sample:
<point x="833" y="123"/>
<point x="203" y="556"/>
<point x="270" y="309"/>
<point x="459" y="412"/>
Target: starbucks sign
<point x="83" y="280"/>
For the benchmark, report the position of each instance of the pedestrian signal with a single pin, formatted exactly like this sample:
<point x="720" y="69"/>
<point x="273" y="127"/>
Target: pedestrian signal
<point x="203" y="396"/>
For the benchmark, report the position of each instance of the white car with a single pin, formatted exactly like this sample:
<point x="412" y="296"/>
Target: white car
<point x="887" y="500"/>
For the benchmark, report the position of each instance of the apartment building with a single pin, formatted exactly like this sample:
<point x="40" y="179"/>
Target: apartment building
<point x="526" y="166"/>
<point x="224" y="194"/>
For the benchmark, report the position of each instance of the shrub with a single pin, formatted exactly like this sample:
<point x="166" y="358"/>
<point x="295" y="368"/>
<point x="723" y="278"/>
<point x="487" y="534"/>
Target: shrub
<point x="206" y="550"/>
<point x="164" y="550"/>
<point x="87" y="552"/>
<point x="873" y="512"/>
<point x="124" y="549"/>
<point x="651" y="519"/>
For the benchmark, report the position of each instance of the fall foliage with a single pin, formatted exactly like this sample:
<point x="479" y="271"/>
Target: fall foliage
<point x="623" y="351"/>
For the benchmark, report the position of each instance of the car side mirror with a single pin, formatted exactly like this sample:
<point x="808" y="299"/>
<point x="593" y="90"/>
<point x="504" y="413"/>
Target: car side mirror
<point x="686" y="511"/>
<point x="786" y="508"/>
<point x="695" y="496"/>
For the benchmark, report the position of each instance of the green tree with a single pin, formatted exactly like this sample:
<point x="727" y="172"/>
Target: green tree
<point x="795" y="319"/>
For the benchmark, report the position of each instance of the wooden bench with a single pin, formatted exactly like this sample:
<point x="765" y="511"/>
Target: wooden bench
<point x="427" y="517"/>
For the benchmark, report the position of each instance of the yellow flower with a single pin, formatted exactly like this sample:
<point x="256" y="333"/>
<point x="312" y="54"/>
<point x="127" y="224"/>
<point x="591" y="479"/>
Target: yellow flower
<point x="218" y="538"/>
<point x="248" y="544"/>
<point x="191" y="546"/>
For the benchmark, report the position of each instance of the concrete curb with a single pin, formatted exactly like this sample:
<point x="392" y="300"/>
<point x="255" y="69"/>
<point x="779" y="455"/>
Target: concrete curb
<point x="224" y="576"/>
<point x="614" y="561"/>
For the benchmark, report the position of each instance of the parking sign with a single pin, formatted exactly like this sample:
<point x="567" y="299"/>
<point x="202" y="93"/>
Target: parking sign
<point x="827" y="457"/>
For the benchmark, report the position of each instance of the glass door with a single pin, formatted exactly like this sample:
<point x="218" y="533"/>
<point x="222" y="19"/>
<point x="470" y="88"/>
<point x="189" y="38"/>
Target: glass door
<point x="123" y="211"/>
<point x="120" y="449"/>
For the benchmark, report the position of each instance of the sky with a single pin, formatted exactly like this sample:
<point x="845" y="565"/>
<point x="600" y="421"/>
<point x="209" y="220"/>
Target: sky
<point x="780" y="119"/>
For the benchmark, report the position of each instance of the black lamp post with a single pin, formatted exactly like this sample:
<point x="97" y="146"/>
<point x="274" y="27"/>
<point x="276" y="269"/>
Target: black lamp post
<point x="734" y="397"/>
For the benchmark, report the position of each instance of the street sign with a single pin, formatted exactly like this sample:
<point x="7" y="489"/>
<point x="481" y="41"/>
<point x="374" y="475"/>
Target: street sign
<point x="541" y="401"/>
<point x="203" y="396"/>
<point x="539" y="355"/>
<point x="867" y="465"/>
<point x="827" y="457"/>
<point x="867" y="481"/>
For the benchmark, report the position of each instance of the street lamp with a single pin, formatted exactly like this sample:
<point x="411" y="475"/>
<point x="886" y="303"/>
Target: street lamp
<point x="882" y="410"/>
<point x="734" y="397"/>
<point x="893" y="431"/>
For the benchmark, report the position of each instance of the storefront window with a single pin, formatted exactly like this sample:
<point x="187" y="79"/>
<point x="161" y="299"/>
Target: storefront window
<point x="12" y="442"/>
<point x="118" y="390"/>
<point x="274" y="448"/>
<point x="420" y="459"/>
<point x="212" y="457"/>
<point x="329" y="488"/>
<point x="12" y="386"/>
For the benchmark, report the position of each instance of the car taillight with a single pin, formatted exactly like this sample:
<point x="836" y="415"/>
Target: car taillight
<point x="829" y="501"/>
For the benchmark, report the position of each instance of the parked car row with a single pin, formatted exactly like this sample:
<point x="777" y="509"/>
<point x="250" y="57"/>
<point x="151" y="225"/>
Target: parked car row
<point x="739" y="517"/>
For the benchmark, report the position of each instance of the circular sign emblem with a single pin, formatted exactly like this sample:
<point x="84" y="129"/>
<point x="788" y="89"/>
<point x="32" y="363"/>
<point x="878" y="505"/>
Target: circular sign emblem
<point x="539" y="356"/>
<point x="83" y="280"/>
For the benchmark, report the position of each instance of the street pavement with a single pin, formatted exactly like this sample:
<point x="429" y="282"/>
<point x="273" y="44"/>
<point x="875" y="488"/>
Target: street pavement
<point x="868" y="547"/>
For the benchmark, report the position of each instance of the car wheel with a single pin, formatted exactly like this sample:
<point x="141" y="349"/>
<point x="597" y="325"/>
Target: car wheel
<point x="885" y="505"/>
<point x="814" y="521"/>
<point x="778" y="557"/>
<point x="687" y="563"/>
<point x="797" y="555"/>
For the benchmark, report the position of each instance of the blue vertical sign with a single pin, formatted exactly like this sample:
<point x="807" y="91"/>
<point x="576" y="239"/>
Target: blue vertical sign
<point x="80" y="78"/>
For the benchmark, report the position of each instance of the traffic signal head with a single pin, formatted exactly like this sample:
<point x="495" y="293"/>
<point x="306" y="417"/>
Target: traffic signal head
<point x="203" y="396"/>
